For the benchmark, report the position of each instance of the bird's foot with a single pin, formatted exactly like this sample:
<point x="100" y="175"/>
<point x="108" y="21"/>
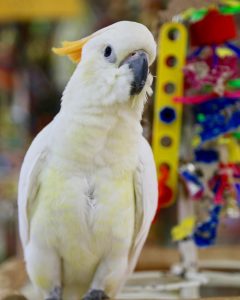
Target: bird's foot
<point x="55" y="294"/>
<point x="95" y="295"/>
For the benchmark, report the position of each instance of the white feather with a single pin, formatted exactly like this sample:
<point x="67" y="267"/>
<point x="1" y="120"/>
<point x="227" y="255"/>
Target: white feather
<point x="28" y="181"/>
<point x="146" y="196"/>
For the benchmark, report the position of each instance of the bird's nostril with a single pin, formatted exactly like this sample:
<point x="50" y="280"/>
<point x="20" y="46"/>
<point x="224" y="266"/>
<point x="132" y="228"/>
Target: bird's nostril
<point x="133" y="53"/>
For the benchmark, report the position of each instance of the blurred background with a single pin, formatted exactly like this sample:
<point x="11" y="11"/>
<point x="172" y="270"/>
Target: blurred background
<point x="32" y="80"/>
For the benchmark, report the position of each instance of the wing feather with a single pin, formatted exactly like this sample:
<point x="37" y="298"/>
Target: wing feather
<point x="146" y="194"/>
<point x="28" y="181"/>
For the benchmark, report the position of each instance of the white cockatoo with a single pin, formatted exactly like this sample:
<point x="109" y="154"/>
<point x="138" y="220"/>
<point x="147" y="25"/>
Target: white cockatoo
<point x="88" y="188"/>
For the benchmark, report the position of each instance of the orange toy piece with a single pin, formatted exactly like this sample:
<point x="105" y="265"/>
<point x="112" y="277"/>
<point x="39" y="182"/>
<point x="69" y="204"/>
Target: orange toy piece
<point x="165" y="193"/>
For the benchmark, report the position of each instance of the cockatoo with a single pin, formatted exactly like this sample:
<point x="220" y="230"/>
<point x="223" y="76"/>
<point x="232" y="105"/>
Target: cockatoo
<point x="88" y="187"/>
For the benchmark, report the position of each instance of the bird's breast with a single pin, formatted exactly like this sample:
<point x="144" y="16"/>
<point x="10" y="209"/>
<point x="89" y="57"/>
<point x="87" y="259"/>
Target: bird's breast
<point x="80" y="206"/>
<point x="107" y="141"/>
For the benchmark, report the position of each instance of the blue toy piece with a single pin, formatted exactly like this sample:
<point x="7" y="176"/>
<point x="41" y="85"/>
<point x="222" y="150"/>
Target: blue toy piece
<point x="205" y="233"/>
<point x="206" y="156"/>
<point x="193" y="183"/>
<point x="217" y="117"/>
<point x="237" y="188"/>
<point x="167" y="115"/>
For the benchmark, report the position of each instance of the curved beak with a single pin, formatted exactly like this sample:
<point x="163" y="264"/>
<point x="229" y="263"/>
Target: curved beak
<point x="138" y="63"/>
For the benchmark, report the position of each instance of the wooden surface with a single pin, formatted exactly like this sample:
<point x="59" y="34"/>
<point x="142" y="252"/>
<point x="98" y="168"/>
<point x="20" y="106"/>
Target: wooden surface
<point x="13" y="275"/>
<point x="221" y="298"/>
<point x="12" y="278"/>
<point x="157" y="258"/>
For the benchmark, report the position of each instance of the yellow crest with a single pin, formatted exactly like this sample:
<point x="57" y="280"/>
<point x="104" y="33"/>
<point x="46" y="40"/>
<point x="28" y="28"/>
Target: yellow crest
<point x="72" y="49"/>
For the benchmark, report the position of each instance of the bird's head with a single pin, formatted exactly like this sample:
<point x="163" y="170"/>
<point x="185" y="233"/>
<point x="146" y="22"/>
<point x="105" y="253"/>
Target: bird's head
<point x="113" y="65"/>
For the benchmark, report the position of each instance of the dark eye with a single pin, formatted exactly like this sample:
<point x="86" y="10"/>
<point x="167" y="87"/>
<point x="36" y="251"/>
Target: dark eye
<point x="108" y="51"/>
<point x="109" y="54"/>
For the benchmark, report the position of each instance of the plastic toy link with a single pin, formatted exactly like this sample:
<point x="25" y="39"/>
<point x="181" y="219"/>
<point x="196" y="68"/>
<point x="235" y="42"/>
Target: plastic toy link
<point x="167" y="113"/>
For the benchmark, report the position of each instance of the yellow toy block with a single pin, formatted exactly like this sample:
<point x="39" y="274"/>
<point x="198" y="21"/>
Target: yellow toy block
<point x="168" y="114"/>
<point x="184" y="229"/>
<point x="233" y="149"/>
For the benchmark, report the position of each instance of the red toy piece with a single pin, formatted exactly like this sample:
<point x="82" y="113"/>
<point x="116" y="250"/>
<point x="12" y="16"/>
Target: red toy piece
<point x="222" y="182"/>
<point x="214" y="29"/>
<point x="165" y="193"/>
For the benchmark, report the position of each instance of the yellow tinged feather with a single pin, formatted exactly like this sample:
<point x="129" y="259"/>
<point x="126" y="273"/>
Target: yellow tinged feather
<point x="73" y="49"/>
<point x="41" y="280"/>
